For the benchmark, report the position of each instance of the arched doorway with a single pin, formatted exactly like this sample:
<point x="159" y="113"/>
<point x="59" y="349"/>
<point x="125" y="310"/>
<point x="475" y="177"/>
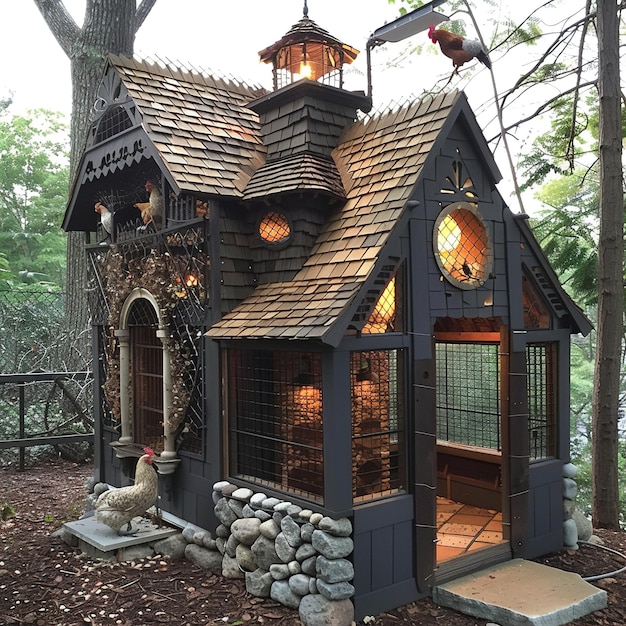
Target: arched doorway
<point x="145" y="378"/>
<point x="146" y="375"/>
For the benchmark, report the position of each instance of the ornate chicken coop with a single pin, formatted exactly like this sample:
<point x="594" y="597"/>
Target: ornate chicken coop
<point x="325" y="304"/>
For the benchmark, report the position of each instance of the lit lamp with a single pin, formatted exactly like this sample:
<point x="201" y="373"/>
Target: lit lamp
<point x="308" y="52"/>
<point x="365" y="382"/>
<point x="384" y="313"/>
<point x="448" y="235"/>
<point x="306" y="397"/>
<point x="184" y="285"/>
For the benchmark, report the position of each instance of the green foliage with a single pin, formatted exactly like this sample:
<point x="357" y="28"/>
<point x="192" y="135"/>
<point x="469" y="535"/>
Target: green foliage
<point x="34" y="178"/>
<point x="514" y="34"/>
<point x="556" y="151"/>
<point x="568" y="232"/>
<point x="6" y="511"/>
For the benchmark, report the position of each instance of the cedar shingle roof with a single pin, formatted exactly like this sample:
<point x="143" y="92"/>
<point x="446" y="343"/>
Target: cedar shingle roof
<point x="380" y="160"/>
<point x="201" y="126"/>
<point x="293" y="174"/>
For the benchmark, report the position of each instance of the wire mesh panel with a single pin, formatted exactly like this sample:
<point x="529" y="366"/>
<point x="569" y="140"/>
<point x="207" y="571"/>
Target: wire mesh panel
<point x="468" y="394"/>
<point x="542" y="423"/>
<point x="275" y="419"/>
<point x="113" y="122"/>
<point x="377" y="392"/>
<point x="32" y="330"/>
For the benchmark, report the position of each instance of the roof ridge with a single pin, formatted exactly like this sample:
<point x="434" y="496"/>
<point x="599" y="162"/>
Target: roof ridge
<point x="400" y="110"/>
<point x="164" y="66"/>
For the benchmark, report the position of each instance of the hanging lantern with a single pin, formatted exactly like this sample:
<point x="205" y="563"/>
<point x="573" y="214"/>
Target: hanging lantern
<point x="308" y="52"/>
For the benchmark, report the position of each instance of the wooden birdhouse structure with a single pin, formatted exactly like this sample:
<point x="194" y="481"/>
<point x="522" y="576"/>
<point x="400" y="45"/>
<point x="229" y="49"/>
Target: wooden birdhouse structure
<point x="325" y="307"/>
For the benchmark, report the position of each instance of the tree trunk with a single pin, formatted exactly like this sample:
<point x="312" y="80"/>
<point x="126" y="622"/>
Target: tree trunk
<point x="611" y="275"/>
<point x="109" y="27"/>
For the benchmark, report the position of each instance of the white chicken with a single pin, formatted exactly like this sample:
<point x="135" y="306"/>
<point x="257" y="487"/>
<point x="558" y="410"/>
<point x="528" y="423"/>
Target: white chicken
<point x="152" y="211"/>
<point x="106" y="218"/>
<point x="117" y="507"/>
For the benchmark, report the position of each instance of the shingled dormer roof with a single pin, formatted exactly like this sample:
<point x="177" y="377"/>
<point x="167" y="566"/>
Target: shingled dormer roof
<point x="380" y="160"/>
<point x="197" y="128"/>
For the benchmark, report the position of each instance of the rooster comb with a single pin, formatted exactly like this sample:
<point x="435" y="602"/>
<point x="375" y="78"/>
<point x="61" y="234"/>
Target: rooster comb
<point x="148" y="451"/>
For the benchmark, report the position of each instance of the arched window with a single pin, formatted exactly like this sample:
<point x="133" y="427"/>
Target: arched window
<point x="113" y="122"/>
<point x="145" y="379"/>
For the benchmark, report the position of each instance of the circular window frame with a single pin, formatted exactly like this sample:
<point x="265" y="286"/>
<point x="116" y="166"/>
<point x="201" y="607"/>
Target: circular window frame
<point x="459" y="272"/>
<point x="284" y="241"/>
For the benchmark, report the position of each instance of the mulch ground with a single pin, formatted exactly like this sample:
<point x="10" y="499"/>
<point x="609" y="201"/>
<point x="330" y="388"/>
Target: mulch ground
<point x="45" y="582"/>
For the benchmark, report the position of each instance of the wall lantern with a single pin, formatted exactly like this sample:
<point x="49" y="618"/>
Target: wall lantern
<point x="307" y="397"/>
<point x="308" y="52"/>
<point x="189" y="283"/>
<point x="305" y="373"/>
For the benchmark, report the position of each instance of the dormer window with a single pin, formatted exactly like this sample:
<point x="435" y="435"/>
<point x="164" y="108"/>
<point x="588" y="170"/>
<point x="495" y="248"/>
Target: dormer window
<point x="112" y="123"/>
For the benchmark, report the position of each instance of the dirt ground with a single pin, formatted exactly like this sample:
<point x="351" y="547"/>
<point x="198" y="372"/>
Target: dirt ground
<point x="45" y="582"/>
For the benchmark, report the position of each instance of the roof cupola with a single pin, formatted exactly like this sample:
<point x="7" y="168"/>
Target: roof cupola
<point x="308" y="51"/>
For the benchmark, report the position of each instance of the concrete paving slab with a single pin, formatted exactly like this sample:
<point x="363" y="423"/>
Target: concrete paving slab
<point x="106" y="539"/>
<point x="522" y="593"/>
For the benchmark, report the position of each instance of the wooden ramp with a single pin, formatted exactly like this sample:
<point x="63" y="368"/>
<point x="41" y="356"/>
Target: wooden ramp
<point x="522" y="593"/>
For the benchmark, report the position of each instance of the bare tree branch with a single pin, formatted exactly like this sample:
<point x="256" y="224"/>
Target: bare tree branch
<point x="60" y="22"/>
<point x="545" y="105"/>
<point x="560" y="41"/>
<point x="143" y="10"/>
<point x="571" y="149"/>
<point x="503" y="136"/>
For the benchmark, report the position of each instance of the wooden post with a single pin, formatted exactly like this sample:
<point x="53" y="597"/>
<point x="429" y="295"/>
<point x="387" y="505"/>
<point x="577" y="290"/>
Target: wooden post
<point x="22" y="427"/>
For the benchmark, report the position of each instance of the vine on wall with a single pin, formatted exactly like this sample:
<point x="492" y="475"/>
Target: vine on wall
<point x="157" y="274"/>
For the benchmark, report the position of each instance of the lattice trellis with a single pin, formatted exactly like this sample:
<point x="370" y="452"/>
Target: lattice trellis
<point x="172" y="265"/>
<point x="382" y="307"/>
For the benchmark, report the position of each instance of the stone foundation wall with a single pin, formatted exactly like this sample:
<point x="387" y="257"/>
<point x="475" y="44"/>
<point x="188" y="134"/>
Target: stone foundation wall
<point x="296" y="556"/>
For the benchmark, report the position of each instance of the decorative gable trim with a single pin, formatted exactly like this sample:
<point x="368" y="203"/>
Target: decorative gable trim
<point x="113" y="111"/>
<point x="546" y="280"/>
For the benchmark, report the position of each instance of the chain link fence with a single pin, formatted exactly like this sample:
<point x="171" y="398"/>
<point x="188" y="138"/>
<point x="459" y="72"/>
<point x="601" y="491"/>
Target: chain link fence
<point x="34" y="339"/>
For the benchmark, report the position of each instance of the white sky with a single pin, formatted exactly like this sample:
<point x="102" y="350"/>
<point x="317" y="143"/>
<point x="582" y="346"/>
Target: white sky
<point x="221" y="36"/>
<point x="226" y="36"/>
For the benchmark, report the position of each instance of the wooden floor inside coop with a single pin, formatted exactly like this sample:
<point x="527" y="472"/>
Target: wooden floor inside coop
<point x="462" y="528"/>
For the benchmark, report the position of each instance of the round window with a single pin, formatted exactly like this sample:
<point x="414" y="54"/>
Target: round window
<point x="274" y="228"/>
<point x="462" y="246"/>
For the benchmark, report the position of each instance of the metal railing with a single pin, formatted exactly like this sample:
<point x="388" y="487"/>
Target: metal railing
<point x="52" y="434"/>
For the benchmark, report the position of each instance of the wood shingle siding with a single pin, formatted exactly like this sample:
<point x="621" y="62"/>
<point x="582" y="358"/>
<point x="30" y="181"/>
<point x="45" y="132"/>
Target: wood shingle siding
<point x="379" y="179"/>
<point x="200" y="125"/>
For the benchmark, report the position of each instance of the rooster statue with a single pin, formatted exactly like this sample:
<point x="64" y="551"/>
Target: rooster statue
<point x="458" y="48"/>
<point x="152" y="211"/>
<point x="116" y="507"/>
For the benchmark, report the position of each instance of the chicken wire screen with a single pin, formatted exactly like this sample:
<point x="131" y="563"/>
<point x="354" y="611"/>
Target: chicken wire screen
<point x="275" y="419"/>
<point x="468" y="394"/>
<point x="541" y="366"/>
<point x="378" y="416"/>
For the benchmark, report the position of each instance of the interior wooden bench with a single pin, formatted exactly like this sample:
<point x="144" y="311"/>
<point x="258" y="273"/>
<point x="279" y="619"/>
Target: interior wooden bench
<point x="470" y="475"/>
